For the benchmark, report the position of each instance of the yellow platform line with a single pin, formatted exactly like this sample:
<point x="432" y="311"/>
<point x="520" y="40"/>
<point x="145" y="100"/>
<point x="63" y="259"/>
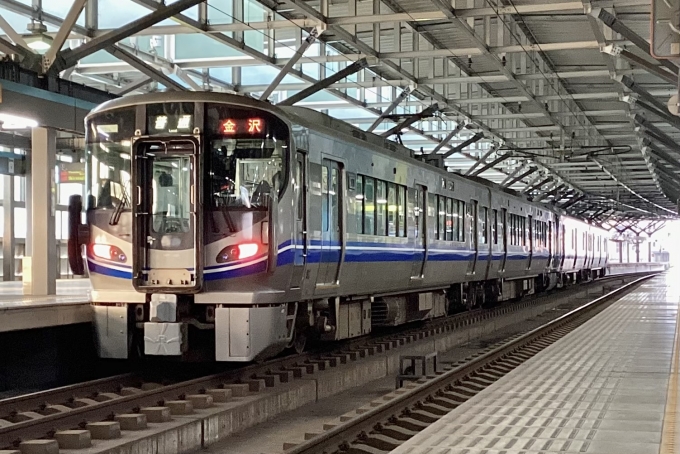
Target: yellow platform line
<point x="668" y="431"/>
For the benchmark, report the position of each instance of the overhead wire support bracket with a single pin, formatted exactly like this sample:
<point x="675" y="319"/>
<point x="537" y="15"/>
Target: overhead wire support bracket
<point x="482" y="159"/>
<point x="398" y="100"/>
<point x="454" y="132"/>
<point x="425" y="113"/>
<point x="514" y="180"/>
<point x="306" y="44"/>
<point x="491" y="164"/>
<point x="325" y="83"/>
<point x="460" y="147"/>
<point x="612" y="22"/>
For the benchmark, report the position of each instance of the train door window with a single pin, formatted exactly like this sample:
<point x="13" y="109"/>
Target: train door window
<point x="494" y="227"/>
<point x="441" y="218"/>
<point x="324" y="199"/>
<point x="334" y="193"/>
<point x="401" y="208"/>
<point x="483" y="219"/>
<point x="513" y="229"/>
<point x="369" y="206"/>
<point x="456" y="222"/>
<point x="503" y="227"/>
<point x="449" y="219"/>
<point x="359" y="204"/>
<point x="392" y="223"/>
<point x="299" y="186"/>
<point x="461" y="221"/>
<point x="381" y="208"/>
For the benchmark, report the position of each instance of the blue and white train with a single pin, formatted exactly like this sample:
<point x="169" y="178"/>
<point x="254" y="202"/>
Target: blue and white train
<point x="222" y="228"/>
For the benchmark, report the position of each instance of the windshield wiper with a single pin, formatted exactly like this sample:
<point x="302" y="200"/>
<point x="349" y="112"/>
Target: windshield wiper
<point x="228" y="219"/>
<point x="115" y="217"/>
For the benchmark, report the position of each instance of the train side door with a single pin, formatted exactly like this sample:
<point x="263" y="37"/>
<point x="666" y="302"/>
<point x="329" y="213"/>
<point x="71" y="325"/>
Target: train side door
<point x="167" y="232"/>
<point x="420" y="241"/>
<point x="504" y="238"/>
<point x="299" y="245"/>
<point x="472" y="210"/>
<point x="332" y="239"/>
<point x="485" y="242"/>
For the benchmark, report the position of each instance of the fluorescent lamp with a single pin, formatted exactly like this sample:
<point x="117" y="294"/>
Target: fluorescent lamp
<point x="8" y="121"/>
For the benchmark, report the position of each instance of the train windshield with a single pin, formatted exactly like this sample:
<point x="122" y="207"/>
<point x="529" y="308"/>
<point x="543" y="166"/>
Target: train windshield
<point x="244" y="172"/>
<point x="247" y="155"/>
<point x="109" y="160"/>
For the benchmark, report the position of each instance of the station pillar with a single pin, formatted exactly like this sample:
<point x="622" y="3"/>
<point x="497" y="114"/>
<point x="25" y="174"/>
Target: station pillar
<point x="8" y="242"/>
<point x="40" y="268"/>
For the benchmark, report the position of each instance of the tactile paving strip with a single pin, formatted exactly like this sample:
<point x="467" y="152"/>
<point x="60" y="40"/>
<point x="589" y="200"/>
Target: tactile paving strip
<point x="601" y="389"/>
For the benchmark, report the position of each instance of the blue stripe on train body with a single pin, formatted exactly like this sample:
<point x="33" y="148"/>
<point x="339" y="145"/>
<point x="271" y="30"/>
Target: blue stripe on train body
<point x="317" y="252"/>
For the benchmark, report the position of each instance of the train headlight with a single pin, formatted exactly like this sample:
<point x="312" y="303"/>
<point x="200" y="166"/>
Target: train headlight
<point x="108" y="252"/>
<point x="238" y="252"/>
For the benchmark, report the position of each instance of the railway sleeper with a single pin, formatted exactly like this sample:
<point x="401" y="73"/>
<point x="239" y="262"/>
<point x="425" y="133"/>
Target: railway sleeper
<point x="379" y="441"/>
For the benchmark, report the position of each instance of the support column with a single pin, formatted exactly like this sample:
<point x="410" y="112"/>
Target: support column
<point x="40" y="271"/>
<point x="8" y="244"/>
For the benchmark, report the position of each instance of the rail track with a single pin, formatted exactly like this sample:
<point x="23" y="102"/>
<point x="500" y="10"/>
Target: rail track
<point x="72" y="416"/>
<point x="386" y="423"/>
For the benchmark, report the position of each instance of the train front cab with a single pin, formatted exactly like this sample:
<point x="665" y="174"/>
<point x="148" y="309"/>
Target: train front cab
<point x="182" y="208"/>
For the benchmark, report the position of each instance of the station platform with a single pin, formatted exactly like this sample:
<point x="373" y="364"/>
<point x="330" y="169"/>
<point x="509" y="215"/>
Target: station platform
<point x="609" y="386"/>
<point x="69" y="306"/>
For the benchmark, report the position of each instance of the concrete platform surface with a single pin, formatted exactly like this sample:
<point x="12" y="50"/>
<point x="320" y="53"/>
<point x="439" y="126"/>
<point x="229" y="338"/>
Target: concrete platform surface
<point x="70" y="305"/>
<point x="603" y="388"/>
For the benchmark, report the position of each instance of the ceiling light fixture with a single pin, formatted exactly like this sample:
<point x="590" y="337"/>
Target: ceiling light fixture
<point x="8" y="121"/>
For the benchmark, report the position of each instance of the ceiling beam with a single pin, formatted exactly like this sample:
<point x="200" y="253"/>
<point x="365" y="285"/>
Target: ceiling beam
<point x="69" y="57"/>
<point x="63" y="33"/>
<point x="325" y="83"/>
<point x="145" y="69"/>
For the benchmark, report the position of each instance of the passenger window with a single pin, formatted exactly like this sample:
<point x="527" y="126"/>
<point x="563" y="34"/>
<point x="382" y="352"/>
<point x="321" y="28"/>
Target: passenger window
<point x="449" y="219"/>
<point x="381" y="208"/>
<point x="359" y="204"/>
<point x="369" y="206"/>
<point x="441" y="217"/>
<point x="484" y="212"/>
<point x="494" y="227"/>
<point x="432" y="211"/>
<point x="391" y="210"/>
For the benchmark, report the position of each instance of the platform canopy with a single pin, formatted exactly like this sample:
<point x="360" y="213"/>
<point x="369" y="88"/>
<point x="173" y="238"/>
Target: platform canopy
<point x="559" y="100"/>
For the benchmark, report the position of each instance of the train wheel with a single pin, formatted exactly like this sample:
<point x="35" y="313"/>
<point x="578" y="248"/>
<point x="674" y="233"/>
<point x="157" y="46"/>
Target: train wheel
<point x="300" y="340"/>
